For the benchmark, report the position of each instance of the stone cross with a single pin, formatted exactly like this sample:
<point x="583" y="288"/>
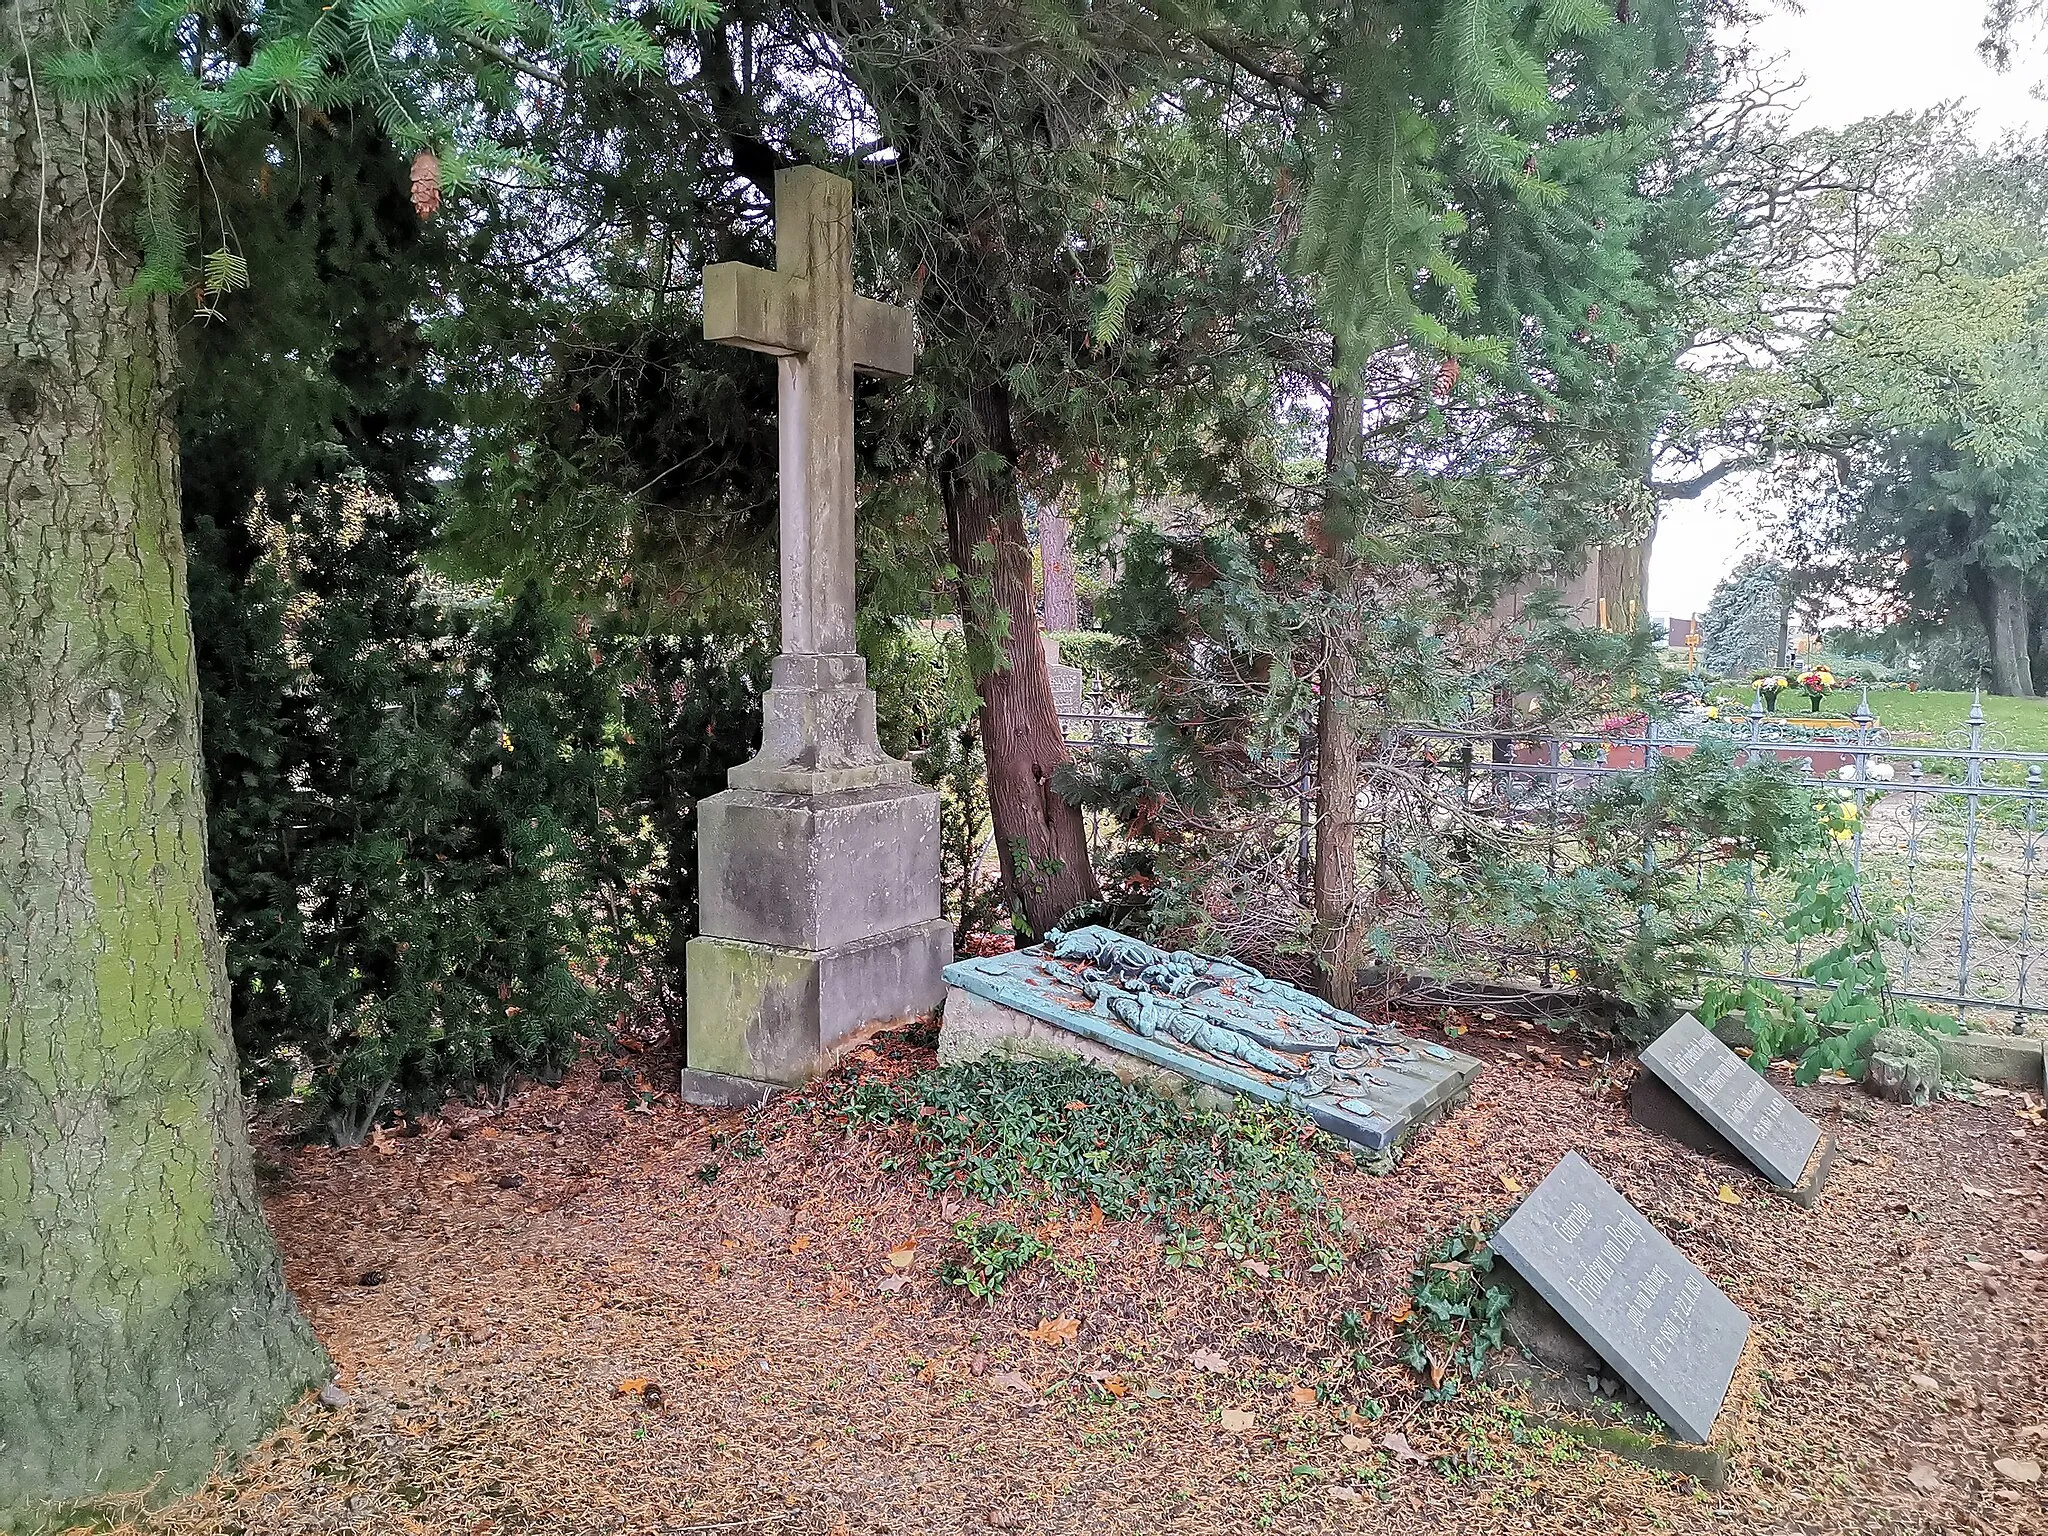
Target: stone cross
<point x="818" y="865"/>
<point x="807" y="315"/>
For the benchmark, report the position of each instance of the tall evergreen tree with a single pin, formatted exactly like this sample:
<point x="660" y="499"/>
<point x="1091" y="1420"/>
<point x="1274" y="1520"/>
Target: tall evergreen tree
<point x="1743" y="628"/>
<point x="145" y="1325"/>
<point x="144" y="1321"/>
<point x="1489" y="416"/>
<point x="1935" y="369"/>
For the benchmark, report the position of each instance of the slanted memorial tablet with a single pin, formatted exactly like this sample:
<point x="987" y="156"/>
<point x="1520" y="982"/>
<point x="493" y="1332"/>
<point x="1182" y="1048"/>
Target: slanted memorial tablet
<point x="1734" y="1099"/>
<point x="1665" y="1328"/>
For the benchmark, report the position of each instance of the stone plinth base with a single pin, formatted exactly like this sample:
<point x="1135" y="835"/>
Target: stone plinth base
<point x="818" y="732"/>
<point x="2014" y="1059"/>
<point x="817" y="872"/>
<point x="773" y="1014"/>
<point x="818" y="922"/>
<point x="715" y="1090"/>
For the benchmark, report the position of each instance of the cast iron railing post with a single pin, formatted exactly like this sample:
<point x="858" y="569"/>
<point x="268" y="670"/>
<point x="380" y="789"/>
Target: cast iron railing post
<point x="2029" y="850"/>
<point x="1916" y="793"/>
<point x="1862" y="781"/>
<point x="1973" y="780"/>
<point x="1750" y="759"/>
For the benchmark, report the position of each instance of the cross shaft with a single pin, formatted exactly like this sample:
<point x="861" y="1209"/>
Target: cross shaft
<point x="807" y="315"/>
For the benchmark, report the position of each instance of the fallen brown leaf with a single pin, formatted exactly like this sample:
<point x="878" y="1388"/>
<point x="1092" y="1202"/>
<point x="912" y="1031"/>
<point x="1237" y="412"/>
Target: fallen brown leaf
<point x="1209" y="1360"/>
<point x="1237" y="1421"/>
<point x="1403" y="1451"/>
<point x="1923" y="1476"/>
<point x="2017" y="1469"/>
<point x="1055" y="1331"/>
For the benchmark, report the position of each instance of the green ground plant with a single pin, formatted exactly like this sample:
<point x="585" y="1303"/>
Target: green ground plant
<point x="1455" y="1315"/>
<point x="993" y="1253"/>
<point x="1219" y="1183"/>
<point x="1660" y="889"/>
<point x="1827" y="1026"/>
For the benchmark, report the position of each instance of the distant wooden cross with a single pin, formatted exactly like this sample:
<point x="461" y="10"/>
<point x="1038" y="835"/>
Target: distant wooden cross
<point x="806" y="313"/>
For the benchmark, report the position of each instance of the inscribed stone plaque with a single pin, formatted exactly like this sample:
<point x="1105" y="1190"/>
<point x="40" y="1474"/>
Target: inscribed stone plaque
<point x="1665" y="1328"/>
<point x="1217" y="1022"/>
<point x="1733" y="1097"/>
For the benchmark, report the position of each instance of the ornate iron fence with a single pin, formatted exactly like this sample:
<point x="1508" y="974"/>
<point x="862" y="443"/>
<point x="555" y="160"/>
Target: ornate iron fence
<point x="1948" y="835"/>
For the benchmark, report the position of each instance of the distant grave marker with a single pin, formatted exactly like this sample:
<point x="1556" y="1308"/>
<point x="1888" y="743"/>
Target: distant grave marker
<point x="1699" y="1091"/>
<point x="1665" y="1328"/>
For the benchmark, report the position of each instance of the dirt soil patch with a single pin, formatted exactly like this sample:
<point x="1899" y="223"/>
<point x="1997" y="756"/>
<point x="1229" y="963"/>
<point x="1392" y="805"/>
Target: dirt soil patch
<point x="600" y="1311"/>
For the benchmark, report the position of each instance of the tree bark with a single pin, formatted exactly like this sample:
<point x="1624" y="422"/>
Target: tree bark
<point x="2002" y="604"/>
<point x="144" y="1321"/>
<point x="1336" y="936"/>
<point x="1040" y="839"/>
<point x="1622" y="581"/>
<point x="1061" y="605"/>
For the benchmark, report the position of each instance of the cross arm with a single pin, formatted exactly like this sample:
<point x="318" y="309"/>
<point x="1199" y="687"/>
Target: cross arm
<point x="882" y="339"/>
<point x="752" y="307"/>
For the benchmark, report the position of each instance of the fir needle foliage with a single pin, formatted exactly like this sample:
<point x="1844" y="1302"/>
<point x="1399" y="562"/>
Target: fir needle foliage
<point x="426" y="70"/>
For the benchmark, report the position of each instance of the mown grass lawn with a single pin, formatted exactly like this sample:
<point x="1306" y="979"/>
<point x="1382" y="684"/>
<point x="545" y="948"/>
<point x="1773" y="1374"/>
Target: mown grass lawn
<point x="2011" y="725"/>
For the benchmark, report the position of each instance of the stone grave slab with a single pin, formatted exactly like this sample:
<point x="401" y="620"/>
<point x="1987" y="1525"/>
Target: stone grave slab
<point x="1735" y="1105"/>
<point x="1220" y="1025"/>
<point x="1665" y="1328"/>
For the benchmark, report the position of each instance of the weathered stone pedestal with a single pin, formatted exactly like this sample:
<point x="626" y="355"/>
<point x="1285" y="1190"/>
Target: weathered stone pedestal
<point x="818" y="894"/>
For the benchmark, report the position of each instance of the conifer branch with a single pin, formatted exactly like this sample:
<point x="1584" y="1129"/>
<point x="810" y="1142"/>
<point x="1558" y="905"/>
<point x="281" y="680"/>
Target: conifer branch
<point x="491" y="50"/>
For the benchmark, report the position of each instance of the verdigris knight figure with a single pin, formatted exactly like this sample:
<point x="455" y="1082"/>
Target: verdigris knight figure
<point x="1223" y="1024"/>
<point x="1308" y="1046"/>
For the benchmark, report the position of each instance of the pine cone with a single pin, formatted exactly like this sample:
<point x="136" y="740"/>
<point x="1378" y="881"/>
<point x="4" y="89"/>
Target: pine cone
<point x="426" y="183"/>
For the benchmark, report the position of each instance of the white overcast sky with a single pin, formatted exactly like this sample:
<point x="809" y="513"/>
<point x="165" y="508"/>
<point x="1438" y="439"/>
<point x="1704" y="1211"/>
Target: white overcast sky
<point x="1859" y="58"/>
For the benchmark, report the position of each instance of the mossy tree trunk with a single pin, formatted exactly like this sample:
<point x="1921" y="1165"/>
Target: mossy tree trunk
<point x="144" y="1322"/>
<point x="2001" y="597"/>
